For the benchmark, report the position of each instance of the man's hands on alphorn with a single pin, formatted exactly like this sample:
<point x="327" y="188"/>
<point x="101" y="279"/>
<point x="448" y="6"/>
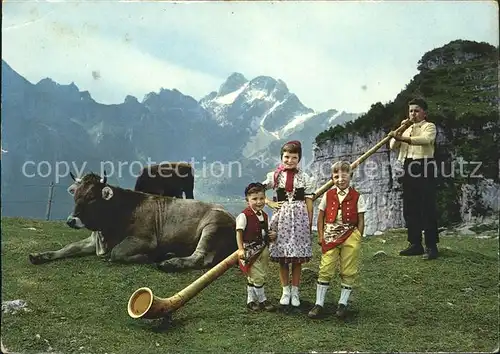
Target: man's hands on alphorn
<point x="397" y="135"/>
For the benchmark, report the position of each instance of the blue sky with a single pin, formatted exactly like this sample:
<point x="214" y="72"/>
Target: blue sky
<point x="342" y="55"/>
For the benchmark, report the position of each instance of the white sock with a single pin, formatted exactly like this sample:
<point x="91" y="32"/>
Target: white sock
<point x="344" y="294"/>
<point x="285" y="297"/>
<point x="261" y="296"/>
<point x="286" y="290"/>
<point x="250" y="294"/>
<point x="295" y="296"/>
<point x="320" y="294"/>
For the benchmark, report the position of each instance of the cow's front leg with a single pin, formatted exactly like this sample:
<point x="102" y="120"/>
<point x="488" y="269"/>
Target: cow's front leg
<point x="80" y="248"/>
<point x="201" y="257"/>
<point x="132" y="250"/>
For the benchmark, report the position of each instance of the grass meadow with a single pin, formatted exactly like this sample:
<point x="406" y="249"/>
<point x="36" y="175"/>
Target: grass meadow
<point x="401" y="303"/>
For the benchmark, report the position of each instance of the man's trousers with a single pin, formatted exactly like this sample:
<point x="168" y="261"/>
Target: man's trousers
<point x="419" y="200"/>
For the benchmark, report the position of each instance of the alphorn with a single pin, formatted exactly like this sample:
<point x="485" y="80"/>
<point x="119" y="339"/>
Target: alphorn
<point x="143" y="304"/>
<point x="319" y="192"/>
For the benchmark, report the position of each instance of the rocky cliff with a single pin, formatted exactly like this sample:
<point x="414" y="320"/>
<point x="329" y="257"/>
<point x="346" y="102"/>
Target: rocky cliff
<point x="377" y="180"/>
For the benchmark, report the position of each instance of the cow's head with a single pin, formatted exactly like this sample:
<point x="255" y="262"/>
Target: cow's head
<point x="92" y="195"/>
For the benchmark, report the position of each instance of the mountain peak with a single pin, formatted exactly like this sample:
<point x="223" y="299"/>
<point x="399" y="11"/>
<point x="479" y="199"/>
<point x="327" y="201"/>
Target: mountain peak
<point x="457" y="52"/>
<point x="49" y="86"/>
<point x="49" y="83"/>
<point x="8" y="71"/>
<point x="281" y="84"/>
<point x="129" y="99"/>
<point x="269" y="83"/>
<point x="13" y="80"/>
<point x="232" y="83"/>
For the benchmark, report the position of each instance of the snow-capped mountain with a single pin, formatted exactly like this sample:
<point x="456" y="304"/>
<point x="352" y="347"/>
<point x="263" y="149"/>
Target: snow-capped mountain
<point x="268" y="112"/>
<point x="243" y="124"/>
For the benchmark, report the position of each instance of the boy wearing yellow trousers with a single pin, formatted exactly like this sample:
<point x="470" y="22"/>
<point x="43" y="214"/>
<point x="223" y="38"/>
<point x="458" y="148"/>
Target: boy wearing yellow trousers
<point x="340" y="229"/>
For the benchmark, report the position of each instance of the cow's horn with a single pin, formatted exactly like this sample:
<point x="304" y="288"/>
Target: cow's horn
<point x="143" y="304"/>
<point x="77" y="180"/>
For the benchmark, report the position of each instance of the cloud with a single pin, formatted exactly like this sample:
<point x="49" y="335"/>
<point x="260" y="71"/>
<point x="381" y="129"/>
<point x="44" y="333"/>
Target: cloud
<point x="343" y="55"/>
<point x="332" y="55"/>
<point x="109" y="69"/>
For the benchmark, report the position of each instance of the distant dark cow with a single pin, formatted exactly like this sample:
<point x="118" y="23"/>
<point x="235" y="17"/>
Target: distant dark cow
<point x="167" y="179"/>
<point x="136" y="227"/>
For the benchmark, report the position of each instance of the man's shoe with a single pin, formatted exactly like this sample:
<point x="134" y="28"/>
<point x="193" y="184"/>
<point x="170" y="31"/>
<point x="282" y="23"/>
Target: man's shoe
<point x="267" y="306"/>
<point x="412" y="250"/>
<point x="430" y="253"/>
<point x="341" y="311"/>
<point x="252" y="306"/>
<point x="315" y="311"/>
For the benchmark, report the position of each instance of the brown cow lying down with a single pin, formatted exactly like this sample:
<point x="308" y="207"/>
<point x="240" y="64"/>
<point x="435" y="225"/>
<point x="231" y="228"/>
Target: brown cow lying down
<point x="135" y="227"/>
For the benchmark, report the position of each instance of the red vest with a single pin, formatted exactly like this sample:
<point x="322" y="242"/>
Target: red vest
<point x="253" y="230"/>
<point x="349" y="206"/>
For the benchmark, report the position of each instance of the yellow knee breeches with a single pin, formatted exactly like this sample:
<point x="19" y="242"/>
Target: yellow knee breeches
<point x="346" y="257"/>
<point x="258" y="271"/>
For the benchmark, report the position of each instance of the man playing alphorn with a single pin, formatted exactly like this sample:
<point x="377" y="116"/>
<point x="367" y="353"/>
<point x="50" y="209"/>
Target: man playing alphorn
<point x="416" y="152"/>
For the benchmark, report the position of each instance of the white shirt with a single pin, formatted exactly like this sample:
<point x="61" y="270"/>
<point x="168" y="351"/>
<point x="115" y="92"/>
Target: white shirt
<point x="422" y="136"/>
<point x="361" y="203"/>
<point x="241" y="221"/>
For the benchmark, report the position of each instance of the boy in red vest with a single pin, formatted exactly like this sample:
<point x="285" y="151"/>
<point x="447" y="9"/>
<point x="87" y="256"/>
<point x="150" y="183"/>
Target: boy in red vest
<point x="340" y="229"/>
<point x="253" y="238"/>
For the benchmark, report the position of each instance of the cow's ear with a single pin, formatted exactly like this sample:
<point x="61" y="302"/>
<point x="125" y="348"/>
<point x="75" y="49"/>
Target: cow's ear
<point x="72" y="189"/>
<point x="107" y="193"/>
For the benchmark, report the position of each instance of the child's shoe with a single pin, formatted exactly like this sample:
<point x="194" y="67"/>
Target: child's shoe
<point x="341" y="311"/>
<point x="267" y="306"/>
<point x="252" y="306"/>
<point x="316" y="311"/>
<point x="295" y="296"/>
<point x="285" y="297"/>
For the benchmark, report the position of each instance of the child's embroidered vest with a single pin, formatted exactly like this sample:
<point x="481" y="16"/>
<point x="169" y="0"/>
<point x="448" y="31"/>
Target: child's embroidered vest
<point x="349" y="207"/>
<point x="253" y="230"/>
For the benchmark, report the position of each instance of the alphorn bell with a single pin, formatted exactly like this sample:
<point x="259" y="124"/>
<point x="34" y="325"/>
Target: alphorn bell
<point x="143" y="304"/>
